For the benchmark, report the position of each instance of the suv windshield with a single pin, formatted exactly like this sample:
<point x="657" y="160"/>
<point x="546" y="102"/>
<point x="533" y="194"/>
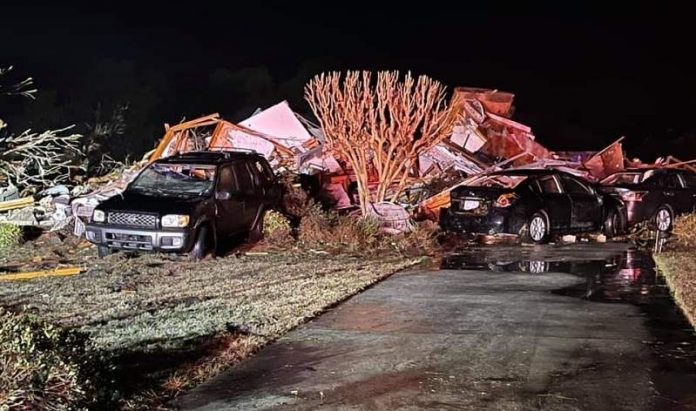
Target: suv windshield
<point x="175" y="180"/>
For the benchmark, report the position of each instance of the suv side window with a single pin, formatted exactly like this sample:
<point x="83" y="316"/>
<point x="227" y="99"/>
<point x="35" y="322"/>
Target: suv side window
<point x="263" y="170"/>
<point x="226" y="180"/>
<point x="256" y="175"/>
<point x="573" y="186"/>
<point x="244" y="183"/>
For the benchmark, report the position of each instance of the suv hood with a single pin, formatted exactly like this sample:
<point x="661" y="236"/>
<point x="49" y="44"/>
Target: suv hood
<point x="133" y="201"/>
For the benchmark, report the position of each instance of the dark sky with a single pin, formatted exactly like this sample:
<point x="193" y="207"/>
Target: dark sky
<point x="581" y="80"/>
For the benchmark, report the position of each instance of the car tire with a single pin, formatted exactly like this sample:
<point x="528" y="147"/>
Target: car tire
<point x="538" y="228"/>
<point x="201" y="247"/>
<point x="256" y="231"/>
<point x="663" y="219"/>
<point x="613" y="223"/>
<point x="103" y="251"/>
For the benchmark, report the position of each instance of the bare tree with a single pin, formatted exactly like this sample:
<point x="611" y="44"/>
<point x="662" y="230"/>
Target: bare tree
<point x="31" y="158"/>
<point x="380" y="126"/>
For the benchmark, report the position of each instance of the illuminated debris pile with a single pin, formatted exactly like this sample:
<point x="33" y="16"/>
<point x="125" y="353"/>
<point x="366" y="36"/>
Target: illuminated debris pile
<point x="484" y="139"/>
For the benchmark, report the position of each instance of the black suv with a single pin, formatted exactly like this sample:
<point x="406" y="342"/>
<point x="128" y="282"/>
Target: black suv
<point x="188" y="203"/>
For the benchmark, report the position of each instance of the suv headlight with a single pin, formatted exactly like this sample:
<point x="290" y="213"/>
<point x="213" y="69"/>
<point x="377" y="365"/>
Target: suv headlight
<point x="175" y="220"/>
<point x="98" y="216"/>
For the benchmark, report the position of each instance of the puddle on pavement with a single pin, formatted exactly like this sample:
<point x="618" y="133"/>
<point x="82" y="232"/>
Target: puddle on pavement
<point x="627" y="277"/>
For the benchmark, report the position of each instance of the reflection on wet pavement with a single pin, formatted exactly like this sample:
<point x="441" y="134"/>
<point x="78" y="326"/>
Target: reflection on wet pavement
<point x="627" y="277"/>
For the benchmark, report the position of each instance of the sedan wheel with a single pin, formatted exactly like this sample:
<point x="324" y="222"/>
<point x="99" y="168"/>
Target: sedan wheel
<point x="538" y="228"/>
<point x="663" y="219"/>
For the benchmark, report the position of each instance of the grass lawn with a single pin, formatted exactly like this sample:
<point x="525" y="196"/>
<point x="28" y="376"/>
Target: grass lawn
<point x="679" y="269"/>
<point x="171" y="323"/>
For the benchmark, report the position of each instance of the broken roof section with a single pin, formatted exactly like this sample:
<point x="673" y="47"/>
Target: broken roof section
<point x="277" y="133"/>
<point x="486" y="127"/>
<point x="494" y="101"/>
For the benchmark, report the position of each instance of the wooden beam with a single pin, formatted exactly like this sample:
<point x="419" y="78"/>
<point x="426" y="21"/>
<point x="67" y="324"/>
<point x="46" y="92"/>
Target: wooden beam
<point x="196" y="122"/>
<point x="18" y="203"/>
<point x="30" y="275"/>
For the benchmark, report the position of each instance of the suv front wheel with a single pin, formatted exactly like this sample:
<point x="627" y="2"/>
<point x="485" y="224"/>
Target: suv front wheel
<point x="256" y="231"/>
<point x="201" y="247"/>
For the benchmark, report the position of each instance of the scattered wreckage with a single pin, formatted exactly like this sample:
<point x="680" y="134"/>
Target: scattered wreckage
<point x="485" y="140"/>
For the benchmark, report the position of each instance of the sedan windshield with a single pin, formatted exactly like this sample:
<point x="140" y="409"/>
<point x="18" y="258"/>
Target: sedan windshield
<point x="175" y="180"/>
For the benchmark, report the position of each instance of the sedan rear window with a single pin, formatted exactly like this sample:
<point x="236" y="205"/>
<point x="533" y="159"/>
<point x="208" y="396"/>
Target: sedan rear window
<point x="623" y="178"/>
<point x="497" y="180"/>
<point x="689" y="179"/>
<point x="548" y="184"/>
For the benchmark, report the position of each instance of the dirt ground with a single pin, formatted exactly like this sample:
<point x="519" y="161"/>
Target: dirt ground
<point x="137" y="306"/>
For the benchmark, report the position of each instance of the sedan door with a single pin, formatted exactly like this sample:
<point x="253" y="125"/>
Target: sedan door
<point x="678" y="196"/>
<point x="689" y="179"/>
<point x="586" y="206"/>
<point x="555" y="201"/>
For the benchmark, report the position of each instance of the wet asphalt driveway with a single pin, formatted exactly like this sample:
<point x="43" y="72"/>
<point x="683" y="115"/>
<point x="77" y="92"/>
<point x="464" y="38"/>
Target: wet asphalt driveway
<point x="586" y="326"/>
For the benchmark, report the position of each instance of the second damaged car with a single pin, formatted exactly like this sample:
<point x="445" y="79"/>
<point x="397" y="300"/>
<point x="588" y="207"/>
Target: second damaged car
<point x="187" y="203"/>
<point x="535" y="204"/>
<point x="653" y="195"/>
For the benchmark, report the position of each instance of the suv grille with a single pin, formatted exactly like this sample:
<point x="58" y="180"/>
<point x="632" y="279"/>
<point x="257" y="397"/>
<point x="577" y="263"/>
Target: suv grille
<point x="133" y="219"/>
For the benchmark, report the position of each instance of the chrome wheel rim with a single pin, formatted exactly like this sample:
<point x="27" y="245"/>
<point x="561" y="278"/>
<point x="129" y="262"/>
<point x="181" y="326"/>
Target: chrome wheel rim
<point x="537" y="267"/>
<point x="537" y="228"/>
<point x="663" y="220"/>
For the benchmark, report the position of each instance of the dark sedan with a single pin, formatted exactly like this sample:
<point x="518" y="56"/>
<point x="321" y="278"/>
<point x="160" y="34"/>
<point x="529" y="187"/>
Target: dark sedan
<point x="654" y="195"/>
<point x="533" y="203"/>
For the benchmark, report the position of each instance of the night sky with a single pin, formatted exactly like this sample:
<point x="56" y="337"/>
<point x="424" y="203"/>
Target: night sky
<point x="580" y="80"/>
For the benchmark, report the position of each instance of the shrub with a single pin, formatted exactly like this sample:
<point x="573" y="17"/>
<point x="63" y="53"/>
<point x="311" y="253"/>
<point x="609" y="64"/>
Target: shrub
<point x="315" y="229"/>
<point x="423" y="240"/>
<point x="328" y="230"/>
<point x="10" y="235"/>
<point x="685" y="231"/>
<point x="46" y="367"/>
<point x="276" y="229"/>
<point x="295" y="199"/>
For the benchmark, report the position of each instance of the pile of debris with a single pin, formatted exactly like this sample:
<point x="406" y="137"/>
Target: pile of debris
<point x="485" y="139"/>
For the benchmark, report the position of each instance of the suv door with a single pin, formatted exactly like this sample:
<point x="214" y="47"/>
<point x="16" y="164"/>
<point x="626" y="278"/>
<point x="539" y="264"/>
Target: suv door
<point x="556" y="202"/>
<point x="271" y="188"/>
<point x="228" y="212"/>
<point x="247" y="192"/>
<point x="586" y="206"/>
<point x="255" y="200"/>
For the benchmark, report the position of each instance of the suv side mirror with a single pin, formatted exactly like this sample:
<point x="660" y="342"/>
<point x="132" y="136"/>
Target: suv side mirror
<point x="223" y="195"/>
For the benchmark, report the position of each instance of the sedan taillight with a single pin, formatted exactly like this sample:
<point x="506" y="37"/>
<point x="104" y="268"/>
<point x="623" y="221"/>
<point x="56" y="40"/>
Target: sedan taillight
<point x="505" y="200"/>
